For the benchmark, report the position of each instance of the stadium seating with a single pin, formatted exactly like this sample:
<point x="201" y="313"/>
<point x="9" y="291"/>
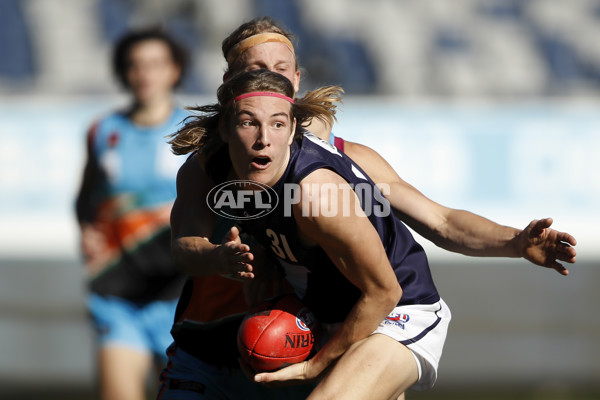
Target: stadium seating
<point x="427" y="48"/>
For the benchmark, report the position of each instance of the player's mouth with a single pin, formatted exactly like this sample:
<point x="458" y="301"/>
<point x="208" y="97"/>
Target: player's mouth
<point x="261" y="162"/>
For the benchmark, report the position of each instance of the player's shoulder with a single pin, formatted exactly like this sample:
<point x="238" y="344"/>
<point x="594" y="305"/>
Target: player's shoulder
<point x="103" y="126"/>
<point x="354" y="148"/>
<point x="322" y="176"/>
<point x="113" y="117"/>
<point x="192" y="178"/>
<point x="312" y="145"/>
<point x="109" y="121"/>
<point x="376" y="166"/>
<point x="192" y="167"/>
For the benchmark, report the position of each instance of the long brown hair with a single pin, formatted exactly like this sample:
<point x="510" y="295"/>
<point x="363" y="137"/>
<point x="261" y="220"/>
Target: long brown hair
<point x="201" y="131"/>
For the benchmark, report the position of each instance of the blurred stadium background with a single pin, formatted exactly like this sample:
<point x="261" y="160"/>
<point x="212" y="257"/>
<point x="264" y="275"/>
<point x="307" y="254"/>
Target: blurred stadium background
<point x="488" y="105"/>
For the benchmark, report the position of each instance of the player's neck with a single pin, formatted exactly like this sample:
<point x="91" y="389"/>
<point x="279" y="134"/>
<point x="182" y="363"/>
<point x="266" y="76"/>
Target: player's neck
<point x="151" y="113"/>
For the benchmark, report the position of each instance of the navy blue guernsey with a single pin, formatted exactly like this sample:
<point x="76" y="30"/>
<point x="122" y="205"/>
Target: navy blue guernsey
<point x="315" y="278"/>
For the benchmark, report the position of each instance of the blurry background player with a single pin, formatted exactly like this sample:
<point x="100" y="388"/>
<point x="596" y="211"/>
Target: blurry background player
<point x="123" y="209"/>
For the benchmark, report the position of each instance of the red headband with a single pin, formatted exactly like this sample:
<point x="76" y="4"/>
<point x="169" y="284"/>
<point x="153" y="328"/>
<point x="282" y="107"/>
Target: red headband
<point x="270" y="94"/>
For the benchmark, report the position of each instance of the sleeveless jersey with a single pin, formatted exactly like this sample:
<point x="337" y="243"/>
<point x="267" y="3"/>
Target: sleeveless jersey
<point x="131" y="205"/>
<point x="315" y="278"/>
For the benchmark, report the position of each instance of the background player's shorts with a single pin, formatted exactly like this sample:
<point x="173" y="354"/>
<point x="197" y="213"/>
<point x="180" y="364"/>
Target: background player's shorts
<point x="143" y="327"/>
<point x="422" y="328"/>
<point x="189" y="378"/>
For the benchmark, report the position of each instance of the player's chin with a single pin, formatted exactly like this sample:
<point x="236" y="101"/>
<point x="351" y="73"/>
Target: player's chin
<point x="261" y="177"/>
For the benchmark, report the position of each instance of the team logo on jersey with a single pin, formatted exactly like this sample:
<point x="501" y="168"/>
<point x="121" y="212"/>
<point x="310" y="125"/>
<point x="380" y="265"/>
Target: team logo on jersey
<point x="397" y="319"/>
<point x="242" y="200"/>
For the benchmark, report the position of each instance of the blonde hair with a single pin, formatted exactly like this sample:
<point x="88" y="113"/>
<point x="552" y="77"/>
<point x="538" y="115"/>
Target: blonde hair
<point x="243" y="32"/>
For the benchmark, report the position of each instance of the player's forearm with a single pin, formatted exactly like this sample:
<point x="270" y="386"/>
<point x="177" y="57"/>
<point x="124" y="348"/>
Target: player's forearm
<point x="195" y="255"/>
<point x="470" y="234"/>
<point x="363" y="319"/>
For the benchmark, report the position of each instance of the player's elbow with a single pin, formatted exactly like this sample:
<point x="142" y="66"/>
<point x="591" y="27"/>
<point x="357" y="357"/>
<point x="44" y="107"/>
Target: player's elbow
<point x="395" y="294"/>
<point x="390" y="296"/>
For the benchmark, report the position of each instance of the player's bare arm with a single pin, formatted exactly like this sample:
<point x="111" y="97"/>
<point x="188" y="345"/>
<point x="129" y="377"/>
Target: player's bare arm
<point x="462" y="231"/>
<point x="192" y="224"/>
<point x="354" y="246"/>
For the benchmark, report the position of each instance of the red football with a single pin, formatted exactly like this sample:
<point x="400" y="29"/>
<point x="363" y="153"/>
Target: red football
<point x="278" y="332"/>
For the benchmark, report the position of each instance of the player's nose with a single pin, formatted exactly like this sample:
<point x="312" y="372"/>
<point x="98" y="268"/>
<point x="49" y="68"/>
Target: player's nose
<point x="263" y="138"/>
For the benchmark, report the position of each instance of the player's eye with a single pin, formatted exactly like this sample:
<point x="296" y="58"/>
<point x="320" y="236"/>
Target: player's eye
<point x="282" y="68"/>
<point x="246" y="123"/>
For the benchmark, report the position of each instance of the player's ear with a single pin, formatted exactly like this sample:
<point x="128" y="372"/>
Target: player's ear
<point x="296" y="81"/>
<point x="293" y="133"/>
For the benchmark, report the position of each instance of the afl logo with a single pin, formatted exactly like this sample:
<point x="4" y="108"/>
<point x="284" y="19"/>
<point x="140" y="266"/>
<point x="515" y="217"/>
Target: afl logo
<point x="304" y="319"/>
<point x="242" y="200"/>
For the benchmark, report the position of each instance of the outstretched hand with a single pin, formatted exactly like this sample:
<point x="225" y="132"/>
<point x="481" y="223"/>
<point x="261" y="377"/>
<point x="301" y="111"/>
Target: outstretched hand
<point x="546" y="247"/>
<point x="235" y="256"/>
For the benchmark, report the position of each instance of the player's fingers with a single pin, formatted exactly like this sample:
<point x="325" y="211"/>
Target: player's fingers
<point x="566" y="252"/>
<point x="237" y="248"/>
<point x="560" y="268"/>
<point x="269" y="377"/>
<point x="291" y="373"/>
<point x="566" y="238"/>
<point x="233" y="235"/>
<point x="244" y="258"/>
<point x="238" y="266"/>
<point x="565" y="258"/>
<point x="240" y="274"/>
<point x="545" y="222"/>
<point x="537" y="226"/>
<point x="230" y="236"/>
<point x="246" y="275"/>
